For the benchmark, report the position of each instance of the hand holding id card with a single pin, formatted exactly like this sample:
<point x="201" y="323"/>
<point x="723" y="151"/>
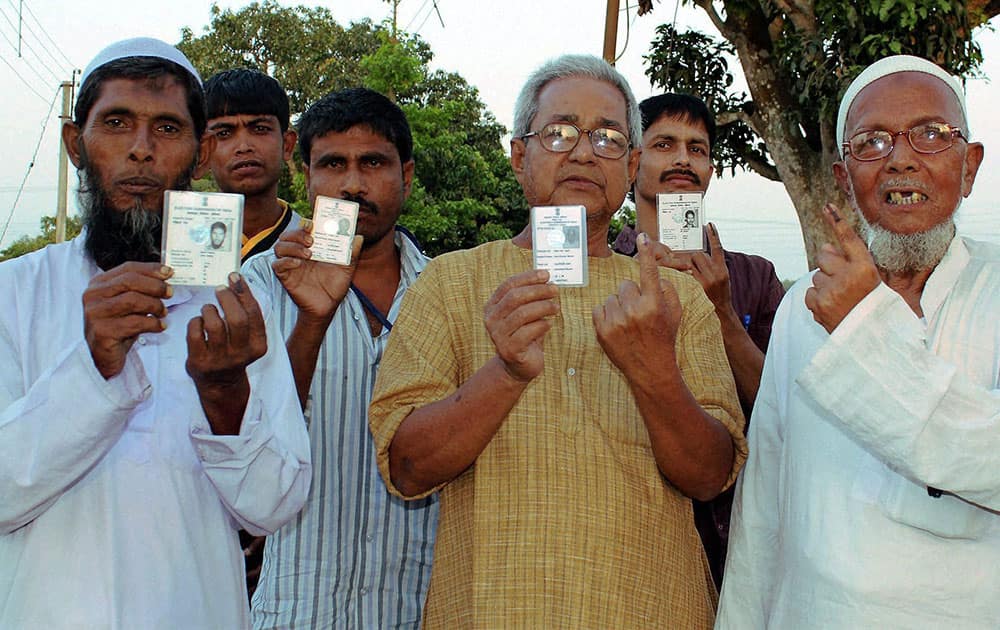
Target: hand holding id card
<point x="334" y="223"/>
<point x="559" y="243"/>
<point x="680" y="217"/>
<point x="202" y="233"/>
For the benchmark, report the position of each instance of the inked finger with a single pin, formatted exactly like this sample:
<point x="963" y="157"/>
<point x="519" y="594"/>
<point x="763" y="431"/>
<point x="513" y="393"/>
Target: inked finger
<point x="239" y="286"/>
<point x="850" y="243"/>
<point x="649" y="276"/>
<point x="714" y="244"/>
<point x="235" y="318"/>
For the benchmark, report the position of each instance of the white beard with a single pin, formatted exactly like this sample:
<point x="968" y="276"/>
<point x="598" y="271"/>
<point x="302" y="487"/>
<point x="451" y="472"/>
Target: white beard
<point x="907" y="253"/>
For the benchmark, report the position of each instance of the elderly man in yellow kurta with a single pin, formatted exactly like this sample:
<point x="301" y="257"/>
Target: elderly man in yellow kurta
<point x="567" y="429"/>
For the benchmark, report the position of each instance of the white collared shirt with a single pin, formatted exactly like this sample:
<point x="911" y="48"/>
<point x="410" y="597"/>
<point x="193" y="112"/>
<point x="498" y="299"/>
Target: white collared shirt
<point x="833" y="525"/>
<point x="118" y="506"/>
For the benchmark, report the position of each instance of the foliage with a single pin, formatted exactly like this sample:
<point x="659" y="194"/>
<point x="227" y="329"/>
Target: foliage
<point x="798" y="57"/>
<point x="464" y="192"/>
<point x="27" y="244"/>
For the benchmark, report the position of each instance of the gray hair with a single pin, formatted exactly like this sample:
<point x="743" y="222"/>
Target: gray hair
<point x="588" y="66"/>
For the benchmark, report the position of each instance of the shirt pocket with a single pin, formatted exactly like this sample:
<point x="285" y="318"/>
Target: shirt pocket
<point x="946" y="516"/>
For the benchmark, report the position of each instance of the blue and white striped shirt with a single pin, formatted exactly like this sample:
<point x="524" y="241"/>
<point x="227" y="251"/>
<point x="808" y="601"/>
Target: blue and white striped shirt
<point x="355" y="557"/>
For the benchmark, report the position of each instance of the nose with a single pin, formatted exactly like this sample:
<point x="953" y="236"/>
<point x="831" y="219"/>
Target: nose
<point x="902" y="158"/>
<point x="681" y="155"/>
<point x="142" y="144"/>
<point x="353" y="182"/>
<point x="584" y="149"/>
<point x="243" y="143"/>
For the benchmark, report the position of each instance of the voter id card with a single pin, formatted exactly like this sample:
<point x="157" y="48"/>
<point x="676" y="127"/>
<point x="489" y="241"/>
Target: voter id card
<point x="559" y="243"/>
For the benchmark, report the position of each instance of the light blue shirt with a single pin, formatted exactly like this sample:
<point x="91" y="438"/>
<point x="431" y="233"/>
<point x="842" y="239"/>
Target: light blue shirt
<point x="355" y="557"/>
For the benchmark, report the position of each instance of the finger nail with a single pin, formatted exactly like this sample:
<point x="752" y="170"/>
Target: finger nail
<point x="220" y="288"/>
<point x="236" y="281"/>
<point x="833" y="212"/>
<point x="309" y="241"/>
<point x="169" y="292"/>
<point x="163" y="324"/>
<point x="166" y="271"/>
<point x="714" y="231"/>
<point x="644" y="239"/>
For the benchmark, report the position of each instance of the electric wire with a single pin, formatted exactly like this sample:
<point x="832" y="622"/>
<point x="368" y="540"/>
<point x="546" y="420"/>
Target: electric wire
<point x="31" y="164"/>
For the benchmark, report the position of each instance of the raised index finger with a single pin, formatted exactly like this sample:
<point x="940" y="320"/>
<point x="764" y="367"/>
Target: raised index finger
<point x="649" y="275"/>
<point x="714" y="243"/>
<point x="849" y="241"/>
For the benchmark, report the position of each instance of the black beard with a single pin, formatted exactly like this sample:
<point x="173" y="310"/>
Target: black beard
<point x="115" y="236"/>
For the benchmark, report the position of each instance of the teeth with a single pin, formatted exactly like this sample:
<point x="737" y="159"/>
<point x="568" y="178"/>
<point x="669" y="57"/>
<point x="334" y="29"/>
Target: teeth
<point x="901" y="198"/>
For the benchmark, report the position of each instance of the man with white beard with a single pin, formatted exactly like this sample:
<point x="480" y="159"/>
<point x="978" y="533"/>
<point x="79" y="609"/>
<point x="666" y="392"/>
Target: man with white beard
<point x="871" y="495"/>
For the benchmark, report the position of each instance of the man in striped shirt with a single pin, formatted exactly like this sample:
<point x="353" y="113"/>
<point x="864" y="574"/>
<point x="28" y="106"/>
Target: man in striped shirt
<point x="355" y="557"/>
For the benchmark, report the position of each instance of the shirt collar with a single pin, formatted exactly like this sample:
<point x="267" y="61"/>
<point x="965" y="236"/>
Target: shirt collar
<point x="942" y="279"/>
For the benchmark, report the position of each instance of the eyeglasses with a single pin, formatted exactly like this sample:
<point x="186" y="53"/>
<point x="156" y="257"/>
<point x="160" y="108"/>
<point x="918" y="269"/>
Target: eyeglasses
<point x="869" y="146"/>
<point x="563" y="138"/>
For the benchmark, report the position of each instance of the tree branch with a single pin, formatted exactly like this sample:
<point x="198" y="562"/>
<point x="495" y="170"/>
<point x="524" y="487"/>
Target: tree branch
<point x="720" y="24"/>
<point x="800" y="13"/>
<point x="728" y="118"/>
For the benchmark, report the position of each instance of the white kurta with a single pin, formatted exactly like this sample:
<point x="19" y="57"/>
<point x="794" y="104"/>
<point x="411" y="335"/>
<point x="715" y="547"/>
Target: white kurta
<point x="833" y="526"/>
<point x="118" y="507"/>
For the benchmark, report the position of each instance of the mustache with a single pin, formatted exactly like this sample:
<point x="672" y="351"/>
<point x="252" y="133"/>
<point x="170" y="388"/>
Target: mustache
<point x="665" y="175"/>
<point x="365" y="204"/>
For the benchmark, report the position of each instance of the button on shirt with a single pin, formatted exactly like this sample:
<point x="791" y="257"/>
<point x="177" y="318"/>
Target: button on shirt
<point x="356" y="556"/>
<point x="833" y="525"/>
<point x="118" y="506"/>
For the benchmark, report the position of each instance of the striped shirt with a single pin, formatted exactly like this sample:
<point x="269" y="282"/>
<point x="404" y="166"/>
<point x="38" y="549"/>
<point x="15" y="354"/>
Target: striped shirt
<point x="356" y="556"/>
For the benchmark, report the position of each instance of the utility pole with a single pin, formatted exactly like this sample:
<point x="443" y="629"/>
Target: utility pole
<point x="61" y="196"/>
<point x="611" y="31"/>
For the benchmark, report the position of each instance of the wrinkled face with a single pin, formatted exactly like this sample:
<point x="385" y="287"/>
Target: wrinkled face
<point x="908" y="192"/>
<point x="249" y="153"/>
<point x="139" y="140"/>
<point x="361" y="166"/>
<point x="578" y="176"/>
<point x="675" y="158"/>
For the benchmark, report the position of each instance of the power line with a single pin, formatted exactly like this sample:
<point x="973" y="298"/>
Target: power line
<point x="34" y="156"/>
<point x="59" y="65"/>
<point x="23" y="58"/>
<point x="414" y="18"/>
<point x="23" y="80"/>
<point x="47" y="36"/>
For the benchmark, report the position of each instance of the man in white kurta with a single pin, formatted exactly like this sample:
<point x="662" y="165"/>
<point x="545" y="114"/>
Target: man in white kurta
<point x="871" y="493"/>
<point x="120" y="492"/>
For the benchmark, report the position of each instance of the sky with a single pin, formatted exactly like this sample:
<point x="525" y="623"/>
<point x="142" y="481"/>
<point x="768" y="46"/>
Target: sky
<point x="494" y="44"/>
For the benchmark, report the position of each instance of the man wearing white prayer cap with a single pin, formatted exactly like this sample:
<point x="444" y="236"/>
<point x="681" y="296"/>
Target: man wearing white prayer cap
<point x="135" y="434"/>
<point x="871" y="498"/>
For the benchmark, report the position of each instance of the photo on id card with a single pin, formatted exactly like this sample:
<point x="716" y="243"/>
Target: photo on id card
<point x="202" y="236"/>
<point x="334" y="224"/>
<point x="680" y="217"/>
<point x="559" y="243"/>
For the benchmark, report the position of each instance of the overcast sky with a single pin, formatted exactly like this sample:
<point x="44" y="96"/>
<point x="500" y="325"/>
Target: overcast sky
<point x="494" y="44"/>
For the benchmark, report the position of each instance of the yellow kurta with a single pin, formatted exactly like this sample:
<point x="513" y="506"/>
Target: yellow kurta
<point x="564" y="521"/>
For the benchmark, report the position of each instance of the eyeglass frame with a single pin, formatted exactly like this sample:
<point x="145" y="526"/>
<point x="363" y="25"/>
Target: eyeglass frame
<point x="953" y="131"/>
<point x="579" y="134"/>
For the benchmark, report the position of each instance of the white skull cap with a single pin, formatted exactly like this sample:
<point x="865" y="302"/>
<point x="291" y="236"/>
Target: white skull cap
<point x="892" y="65"/>
<point x="139" y="47"/>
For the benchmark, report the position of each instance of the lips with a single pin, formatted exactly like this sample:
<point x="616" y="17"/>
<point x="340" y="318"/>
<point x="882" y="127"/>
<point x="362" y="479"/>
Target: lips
<point x="138" y="185"/>
<point x="904" y="198"/>
<point x="247" y="164"/>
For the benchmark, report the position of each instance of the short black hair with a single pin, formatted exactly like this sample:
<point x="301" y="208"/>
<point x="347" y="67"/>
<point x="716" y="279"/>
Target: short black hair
<point x="684" y="106"/>
<point x="341" y="110"/>
<point x="218" y="224"/>
<point x="248" y="92"/>
<point x="139" y="69"/>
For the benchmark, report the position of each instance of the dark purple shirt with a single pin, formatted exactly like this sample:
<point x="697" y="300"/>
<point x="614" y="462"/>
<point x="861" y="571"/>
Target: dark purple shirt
<point x="756" y="293"/>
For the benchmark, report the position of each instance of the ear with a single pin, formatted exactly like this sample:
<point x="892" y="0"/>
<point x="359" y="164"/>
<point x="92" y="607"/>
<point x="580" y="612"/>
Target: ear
<point x="633" y="163"/>
<point x="205" y="149"/>
<point x="288" y="144"/>
<point x="305" y="173"/>
<point x="407" y="177"/>
<point x="71" y="139"/>
<point x="973" y="159"/>
<point x="842" y="176"/>
<point x="517" y="148"/>
<point x="711" y="174"/>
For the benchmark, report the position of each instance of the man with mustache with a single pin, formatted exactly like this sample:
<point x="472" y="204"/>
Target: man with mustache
<point x="872" y="492"/>
<point x="134" y="436"/>
<point x="677" y="140"/>
<point x="567" y="428"/>
<point x="248" y="113"/>
<point x="356" y="557"/>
